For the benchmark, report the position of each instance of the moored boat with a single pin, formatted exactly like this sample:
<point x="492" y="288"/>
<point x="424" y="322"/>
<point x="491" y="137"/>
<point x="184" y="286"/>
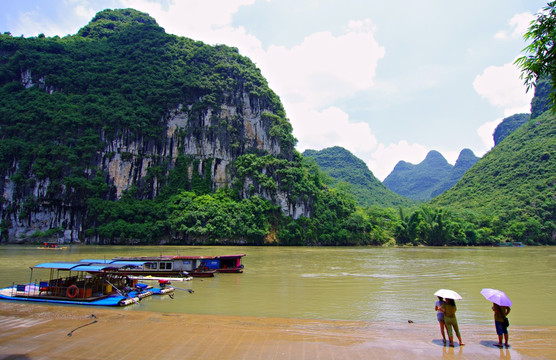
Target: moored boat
<point x="182" y="265"/>
<point x="83" y="284"/>
<point x="52" y="246"/>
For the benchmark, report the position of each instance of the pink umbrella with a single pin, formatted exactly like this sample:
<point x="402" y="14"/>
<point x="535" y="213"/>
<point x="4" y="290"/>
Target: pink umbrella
<point x="496" y="296"/>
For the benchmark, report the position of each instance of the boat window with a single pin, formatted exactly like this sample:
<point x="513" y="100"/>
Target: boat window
<point x="166" y="266"/>
<point x="151" y="266"/>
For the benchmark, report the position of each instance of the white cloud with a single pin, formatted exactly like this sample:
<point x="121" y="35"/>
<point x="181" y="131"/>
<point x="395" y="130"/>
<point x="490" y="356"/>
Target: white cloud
<point x="485" y="132"/>
<point x="519" y="24"/>
<point x="323" y="68"/>
<point x="382" y="161"/>
<point x="312" y="75"/>
<point x="84" y="12"/>
<point x="503" y="88"/>
<point x="30" y="24"/>
<point x="60" y="19"/>
<point x="330" y="127"/>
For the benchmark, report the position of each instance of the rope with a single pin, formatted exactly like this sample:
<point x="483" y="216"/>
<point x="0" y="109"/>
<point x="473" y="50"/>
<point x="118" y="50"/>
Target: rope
<point x="79" y="327"/>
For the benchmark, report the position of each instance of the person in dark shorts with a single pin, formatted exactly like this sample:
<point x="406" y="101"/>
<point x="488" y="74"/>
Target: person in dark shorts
<point x="500" y="314"/>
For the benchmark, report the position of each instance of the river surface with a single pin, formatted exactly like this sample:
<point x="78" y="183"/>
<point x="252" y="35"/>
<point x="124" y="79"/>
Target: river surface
<point x="348" y="283"/>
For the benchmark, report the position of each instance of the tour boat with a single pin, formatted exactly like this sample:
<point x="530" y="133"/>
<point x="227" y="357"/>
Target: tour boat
<point x="180" y="265"/>
<point x="84" y="284"/>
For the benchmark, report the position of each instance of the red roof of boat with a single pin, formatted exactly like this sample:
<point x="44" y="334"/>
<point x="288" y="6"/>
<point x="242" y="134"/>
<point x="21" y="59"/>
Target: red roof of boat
<point x="178" y="257"/>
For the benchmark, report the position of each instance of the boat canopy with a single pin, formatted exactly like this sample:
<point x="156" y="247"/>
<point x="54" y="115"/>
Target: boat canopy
<point x="59" y="265"/>
<point x="89" y="267"/>
<point x="125" y="263"/>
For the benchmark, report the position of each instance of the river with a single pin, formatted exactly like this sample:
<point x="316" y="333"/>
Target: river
<point x="346" y="283"/>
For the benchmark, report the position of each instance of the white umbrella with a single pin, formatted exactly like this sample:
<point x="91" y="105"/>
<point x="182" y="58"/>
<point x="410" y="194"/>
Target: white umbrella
<point x="448" y="294"/>
<point x="496" y="296"/>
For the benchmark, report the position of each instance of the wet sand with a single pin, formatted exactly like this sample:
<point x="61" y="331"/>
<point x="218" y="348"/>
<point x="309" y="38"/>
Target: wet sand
<point x="45" y="332"/>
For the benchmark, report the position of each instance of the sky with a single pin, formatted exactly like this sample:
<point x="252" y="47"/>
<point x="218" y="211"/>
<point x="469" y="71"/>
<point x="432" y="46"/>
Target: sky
<point x="387" y="80"/>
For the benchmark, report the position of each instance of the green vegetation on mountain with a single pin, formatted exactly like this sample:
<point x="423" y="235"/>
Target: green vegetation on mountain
<point x="353" y="173"/>
<point x="541" y="100"/>
<point x="514" y="185"/>
<point x="539" y="61"/>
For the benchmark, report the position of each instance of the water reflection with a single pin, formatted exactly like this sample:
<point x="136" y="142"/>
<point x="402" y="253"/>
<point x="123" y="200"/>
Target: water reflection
<point x="372" y="284"/>
<point x="449" y="352"/>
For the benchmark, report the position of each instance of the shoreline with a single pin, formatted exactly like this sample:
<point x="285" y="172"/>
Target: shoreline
<point x="36" y="331"/>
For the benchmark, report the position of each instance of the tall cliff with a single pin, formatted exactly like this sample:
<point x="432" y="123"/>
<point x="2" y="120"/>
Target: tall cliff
<point x="124" y="108"/>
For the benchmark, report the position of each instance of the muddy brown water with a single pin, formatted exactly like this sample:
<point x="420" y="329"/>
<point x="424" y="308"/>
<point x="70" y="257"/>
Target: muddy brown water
<point x="361" y="284"/>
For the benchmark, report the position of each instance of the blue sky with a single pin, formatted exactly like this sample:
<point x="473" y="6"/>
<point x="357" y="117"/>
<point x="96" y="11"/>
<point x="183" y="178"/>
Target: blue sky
<point x="387" y="80"/>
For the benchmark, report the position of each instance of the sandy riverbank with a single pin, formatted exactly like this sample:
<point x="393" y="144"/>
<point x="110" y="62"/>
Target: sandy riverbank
<point x="41" y="332"/>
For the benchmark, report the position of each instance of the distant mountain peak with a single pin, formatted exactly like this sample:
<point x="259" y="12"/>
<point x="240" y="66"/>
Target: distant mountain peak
<point x="430" y="177"/>
<point x="466" y="156"/>
<point x="466" y="152"/>
<point x="403" y="166"/>
<point x="435" y="158"/>
<point x="109" y="22"/>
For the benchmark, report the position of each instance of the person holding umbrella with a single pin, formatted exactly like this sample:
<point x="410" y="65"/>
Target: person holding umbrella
<point x="501" y="306"/>
<point x="449" y="309"/>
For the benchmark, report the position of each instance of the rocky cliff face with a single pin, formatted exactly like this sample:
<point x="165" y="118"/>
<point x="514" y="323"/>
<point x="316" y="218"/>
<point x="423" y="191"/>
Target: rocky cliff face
<point x="211" y="142"/>
<point x="215" y="139"/>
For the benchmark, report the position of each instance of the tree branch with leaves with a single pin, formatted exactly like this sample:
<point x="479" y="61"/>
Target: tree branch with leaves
<point x="540" y="56"/>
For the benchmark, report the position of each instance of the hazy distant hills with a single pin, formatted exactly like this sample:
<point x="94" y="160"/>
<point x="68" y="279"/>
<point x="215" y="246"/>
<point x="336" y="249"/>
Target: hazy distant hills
<point x="431" y="177"/>
<point x="343" y="166"/>
<point x="417" y="182"/>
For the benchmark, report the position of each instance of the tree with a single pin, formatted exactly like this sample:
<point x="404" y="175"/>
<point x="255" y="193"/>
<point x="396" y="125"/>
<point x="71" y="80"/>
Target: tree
<point x="540" y="58"/>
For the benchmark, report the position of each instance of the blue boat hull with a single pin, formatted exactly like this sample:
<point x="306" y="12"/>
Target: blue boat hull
<point x="108" y="301"/>
<point x="10" y="293"/>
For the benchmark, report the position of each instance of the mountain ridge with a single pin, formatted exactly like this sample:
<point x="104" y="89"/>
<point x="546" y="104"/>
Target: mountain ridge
<point x="343" y="166"/>
<point x="429" y="178"/>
